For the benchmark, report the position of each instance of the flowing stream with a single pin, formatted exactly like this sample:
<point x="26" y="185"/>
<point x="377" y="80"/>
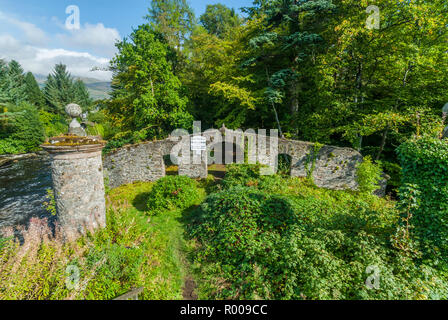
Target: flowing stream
<point x="23" y="189"/>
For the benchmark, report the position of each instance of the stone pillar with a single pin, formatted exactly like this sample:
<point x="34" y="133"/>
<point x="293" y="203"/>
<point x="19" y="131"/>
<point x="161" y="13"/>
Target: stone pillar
<point x="196" y="167"/>
<point x="78" y="185"/>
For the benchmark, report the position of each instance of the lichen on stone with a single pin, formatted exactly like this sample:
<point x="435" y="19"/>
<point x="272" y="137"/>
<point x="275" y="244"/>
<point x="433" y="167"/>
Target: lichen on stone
<point x="68" y="140"/>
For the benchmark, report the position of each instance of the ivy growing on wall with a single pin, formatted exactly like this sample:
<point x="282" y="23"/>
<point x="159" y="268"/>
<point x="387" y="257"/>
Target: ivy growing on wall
<point x="425" y="167"/>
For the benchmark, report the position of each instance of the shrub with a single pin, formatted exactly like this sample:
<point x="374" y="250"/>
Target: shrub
<point x="249" y="175"/>
<point x="21" y="131"/>
<point x="240" y="174"/>
<point x="272" y="246"/>
<point x="425" y="167"/>
<point x="368" y="176"/>
<point x="54" y="124"/>
<point x="173" y="192"/>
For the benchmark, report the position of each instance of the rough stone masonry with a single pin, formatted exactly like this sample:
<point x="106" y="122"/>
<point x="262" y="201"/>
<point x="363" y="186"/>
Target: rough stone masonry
<point x="78" y="184"/>
<point x="330" y="167"/>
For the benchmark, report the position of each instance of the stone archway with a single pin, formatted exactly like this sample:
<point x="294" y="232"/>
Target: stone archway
<point x="333" y="167"/>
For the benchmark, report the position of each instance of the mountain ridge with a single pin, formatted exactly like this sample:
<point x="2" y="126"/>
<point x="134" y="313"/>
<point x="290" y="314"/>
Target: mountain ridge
<point x="98" y="89"/>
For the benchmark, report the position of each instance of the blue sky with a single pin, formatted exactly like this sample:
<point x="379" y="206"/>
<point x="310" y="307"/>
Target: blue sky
<point x="33" y="32"/>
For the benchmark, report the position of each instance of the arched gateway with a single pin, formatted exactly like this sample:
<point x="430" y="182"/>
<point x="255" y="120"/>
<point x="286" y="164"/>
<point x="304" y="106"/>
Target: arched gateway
<point x="330" y="167"/>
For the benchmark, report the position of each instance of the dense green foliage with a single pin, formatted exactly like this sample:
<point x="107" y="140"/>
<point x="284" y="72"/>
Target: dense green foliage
<point x="249" y="175"/>
<point x="35" y="95"/>
<point x="300" y="242"/>
<point x="146" y="100"/>
<point x="425" y="193"/>
<point x="61" y="89"/>
<point x="29" y="114"/>
<point x="173" y="19"/>
<point x="219" y="20"/>
<point x="20" y="129"/>
<point x="368" y="176"/>
<point x="173" y="192"/>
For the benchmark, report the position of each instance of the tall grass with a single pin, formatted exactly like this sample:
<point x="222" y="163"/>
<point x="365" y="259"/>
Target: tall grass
<point x="134" y="250"/>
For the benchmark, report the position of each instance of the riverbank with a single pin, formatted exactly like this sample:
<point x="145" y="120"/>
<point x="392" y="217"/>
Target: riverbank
<point x="10" y="158"/>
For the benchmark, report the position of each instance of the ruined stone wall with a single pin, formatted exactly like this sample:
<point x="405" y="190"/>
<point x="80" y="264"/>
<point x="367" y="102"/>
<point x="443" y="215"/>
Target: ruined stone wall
<point x="141" y="162"/>
<point x="330" y="167"/>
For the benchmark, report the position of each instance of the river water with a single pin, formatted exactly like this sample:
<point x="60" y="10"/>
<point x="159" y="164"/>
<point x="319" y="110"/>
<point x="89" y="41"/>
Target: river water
<point x="23" y="189"/>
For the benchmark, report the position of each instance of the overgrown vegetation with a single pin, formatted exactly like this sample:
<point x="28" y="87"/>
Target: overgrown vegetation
<point x="300" y="242"/>
<point x="173" y="192"/>
<point x="424" y="191"/>
<point x="251" y="237"/>
<point x="313" y="70"/>
<point x="134" y="250"/>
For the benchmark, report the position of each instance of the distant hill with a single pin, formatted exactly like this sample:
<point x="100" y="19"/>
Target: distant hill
<point x="98" y="89"/>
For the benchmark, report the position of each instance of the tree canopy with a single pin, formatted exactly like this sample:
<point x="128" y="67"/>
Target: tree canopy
<point x="146" y="94"/>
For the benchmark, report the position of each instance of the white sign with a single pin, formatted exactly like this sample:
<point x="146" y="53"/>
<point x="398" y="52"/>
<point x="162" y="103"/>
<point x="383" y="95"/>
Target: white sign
<point x="198" y="144"/>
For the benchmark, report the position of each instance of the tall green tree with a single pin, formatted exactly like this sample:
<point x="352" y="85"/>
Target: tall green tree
<point x="174" y="19"/>
<point x="218" y="19"/>
<point x="58" y="89"/>
<point x="82" y="95"/>
<point x="12" y="83"/>
<point x="146" y="94"/>
<point x="284" y="51"/>
<point x="4" y="83"/>
<point x="34" y="93"/>
<point x="17" y="82"/>
<point x="61" y="89"/>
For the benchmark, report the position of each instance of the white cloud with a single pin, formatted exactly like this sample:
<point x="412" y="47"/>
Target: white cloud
<point x="42" y="60"/>
<point x="32" y="33"/>
<point x="95" y="37"/>
<point x="81" y="50"/>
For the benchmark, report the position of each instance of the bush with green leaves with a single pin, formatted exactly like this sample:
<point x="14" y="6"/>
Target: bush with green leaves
<point x="54" y="124"/>
<point x="368" y="175"/>
<point x="173" y="192"/>
<point x="20" y="129"/>
<point x="249" y="175"/>
<point x="424" y="164"/>
<point x="280" y="246"/>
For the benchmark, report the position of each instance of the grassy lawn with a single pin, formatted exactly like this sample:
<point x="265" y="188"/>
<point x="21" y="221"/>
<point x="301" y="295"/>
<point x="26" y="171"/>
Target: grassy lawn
<point x="166" y="246"/>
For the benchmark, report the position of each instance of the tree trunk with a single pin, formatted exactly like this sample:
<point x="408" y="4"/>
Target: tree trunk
<point x="383" y="143"/>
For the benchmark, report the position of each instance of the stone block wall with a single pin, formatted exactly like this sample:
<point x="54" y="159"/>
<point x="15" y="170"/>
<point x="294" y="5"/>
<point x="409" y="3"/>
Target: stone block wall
<point x="331" y="167"/>
<point x="140" y="162"/>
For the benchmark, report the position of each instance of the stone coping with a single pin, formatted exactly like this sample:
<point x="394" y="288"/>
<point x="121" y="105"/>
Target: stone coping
<point x="87" y="148"/>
